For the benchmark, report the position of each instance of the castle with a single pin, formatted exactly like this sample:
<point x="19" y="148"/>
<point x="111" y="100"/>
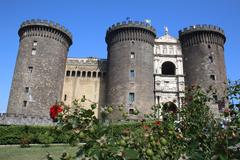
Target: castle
<point x="141" y="69"/>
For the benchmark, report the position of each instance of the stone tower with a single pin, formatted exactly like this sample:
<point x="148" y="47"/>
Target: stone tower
<point x="130" y="66"/>
<point x="40" y="66"/>
<point x="203" y="51"/>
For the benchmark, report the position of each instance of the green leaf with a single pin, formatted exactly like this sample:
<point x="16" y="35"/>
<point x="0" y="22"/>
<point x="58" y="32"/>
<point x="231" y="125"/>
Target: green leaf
<point x="131" y="154"/>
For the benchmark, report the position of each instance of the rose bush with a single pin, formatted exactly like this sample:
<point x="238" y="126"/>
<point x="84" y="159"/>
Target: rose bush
<point x="195" y="135"/>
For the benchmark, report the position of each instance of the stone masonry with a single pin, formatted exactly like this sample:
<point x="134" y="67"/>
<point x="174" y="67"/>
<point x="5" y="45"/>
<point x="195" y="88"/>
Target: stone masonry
<point x="140" y="70"/>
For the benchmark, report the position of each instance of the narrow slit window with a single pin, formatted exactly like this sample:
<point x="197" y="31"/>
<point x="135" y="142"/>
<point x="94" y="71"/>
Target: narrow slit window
<point x="24" y="103"/>
<point x="65" y="97"/>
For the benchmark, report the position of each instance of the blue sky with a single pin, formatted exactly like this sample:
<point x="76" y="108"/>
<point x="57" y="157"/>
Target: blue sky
<point x="88" y="21"/>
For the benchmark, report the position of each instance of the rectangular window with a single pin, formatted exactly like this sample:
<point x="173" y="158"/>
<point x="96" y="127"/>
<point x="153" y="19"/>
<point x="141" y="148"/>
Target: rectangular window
<point x="30" y="69"/>
<point x="132" y="55"/>
<point x="131" y="97"/>
<point x="132" y="74"/>
<point x="213" y="77"/>
<point x="34" y="51"/>
<point x="65" y="97"/>
<point x="24" y="103"/>
<point x="131" y="111"/>
<point x="26" y="89"/>
<point x="35" y="43"/>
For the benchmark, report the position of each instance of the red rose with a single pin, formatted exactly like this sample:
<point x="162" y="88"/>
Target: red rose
<point x="54" y="110"/>
<point x="157" y="123"/>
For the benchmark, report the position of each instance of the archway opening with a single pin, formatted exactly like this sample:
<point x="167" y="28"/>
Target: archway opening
<point x="168" y="68"/>
<point x="170" y="107"/>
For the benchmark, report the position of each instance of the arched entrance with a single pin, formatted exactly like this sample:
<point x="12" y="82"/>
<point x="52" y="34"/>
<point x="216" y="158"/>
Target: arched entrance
<point x="170" y="107"/>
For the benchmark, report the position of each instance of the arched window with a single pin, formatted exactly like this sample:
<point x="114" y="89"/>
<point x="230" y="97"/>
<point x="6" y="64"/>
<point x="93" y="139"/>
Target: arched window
<point x="73" y="73"/>
<point x="83" y="74"/>
<point x="89" y="74"/>
<point x="94" y="74"/>
<point x="68" y="73"/>
<point x="168" y="68"/>
<point x="78" y="73"/>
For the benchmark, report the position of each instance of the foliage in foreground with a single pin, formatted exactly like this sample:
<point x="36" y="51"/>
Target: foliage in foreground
<point x="196" y="136"/>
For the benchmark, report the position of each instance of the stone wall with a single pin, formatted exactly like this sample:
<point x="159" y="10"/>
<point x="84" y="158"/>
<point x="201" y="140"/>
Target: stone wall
<point x="85" y="77"/>
<point x="21" y="119"/>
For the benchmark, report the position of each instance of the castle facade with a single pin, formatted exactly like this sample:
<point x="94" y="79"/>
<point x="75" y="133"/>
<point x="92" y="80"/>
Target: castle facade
<point x="141" y="69"/>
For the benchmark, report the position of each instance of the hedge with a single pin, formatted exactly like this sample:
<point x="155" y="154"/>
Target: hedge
<point x="14" y="134"/>
<point x="18" y="134"/>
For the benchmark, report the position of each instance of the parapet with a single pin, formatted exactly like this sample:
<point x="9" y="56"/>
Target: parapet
<point x="126" y="24"/>
<point x="198" y="34"/>
<point x="90" y="61"/>
<point x="130" y="30"/>
<point x="203" y="27"/>
<point x="46" y="24"/>
<point x="22" y="119"/>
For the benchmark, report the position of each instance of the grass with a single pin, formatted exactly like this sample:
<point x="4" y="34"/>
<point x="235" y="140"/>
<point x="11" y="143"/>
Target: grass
<point x="34" y="152"/>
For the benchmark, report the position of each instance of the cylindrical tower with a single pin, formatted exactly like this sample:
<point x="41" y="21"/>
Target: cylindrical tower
<point x="203" y="51"/>
<point x="130" y="66"/>
<point x="39" y="71"/>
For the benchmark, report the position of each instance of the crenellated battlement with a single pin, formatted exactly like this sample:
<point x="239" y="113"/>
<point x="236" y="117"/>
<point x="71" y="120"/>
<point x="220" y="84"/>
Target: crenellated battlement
<point x="125" y="24"/>
<point x="203" y="27"/>
<point x="130" y="30"/>
<point x="208" y="34"/>
<point x="45" y="28"/>
<point x="22" y="119"/>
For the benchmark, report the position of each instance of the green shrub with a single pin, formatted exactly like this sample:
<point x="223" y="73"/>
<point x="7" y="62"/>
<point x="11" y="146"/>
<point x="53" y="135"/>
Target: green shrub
<point x="18" y="134"/>
<point x="46" y="139"/>
<point x="25" y="140"/>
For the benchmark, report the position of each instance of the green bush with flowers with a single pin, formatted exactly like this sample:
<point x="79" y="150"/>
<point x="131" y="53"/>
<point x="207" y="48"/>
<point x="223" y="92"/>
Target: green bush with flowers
<point x="196" y="135"/>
